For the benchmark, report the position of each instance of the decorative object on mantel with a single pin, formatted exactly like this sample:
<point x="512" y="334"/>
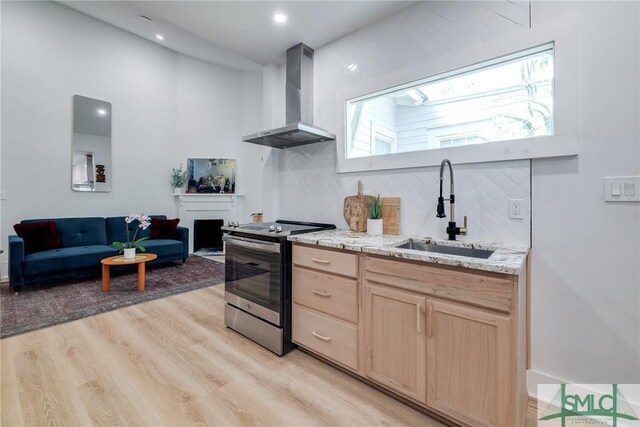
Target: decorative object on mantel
<point x="129" y="247"/>
<point x="256" y="217"/>
<point x="391" y="215"/>
<point x="374" y="222"/>
<point x="211" y="176"/>
<point x="178" y="179"/>
<point x="356" y="210"/>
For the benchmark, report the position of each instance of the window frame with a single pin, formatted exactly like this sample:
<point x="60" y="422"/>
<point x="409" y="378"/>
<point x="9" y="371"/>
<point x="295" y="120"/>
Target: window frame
<point x="564" y="141"/>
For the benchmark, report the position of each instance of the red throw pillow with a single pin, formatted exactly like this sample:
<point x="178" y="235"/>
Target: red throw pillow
<point x="39" y="236"/>
<point x="164" y="228"/>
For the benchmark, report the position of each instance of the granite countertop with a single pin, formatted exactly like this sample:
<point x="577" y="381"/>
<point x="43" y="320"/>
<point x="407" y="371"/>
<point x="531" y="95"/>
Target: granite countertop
<point x="505" y="259"/>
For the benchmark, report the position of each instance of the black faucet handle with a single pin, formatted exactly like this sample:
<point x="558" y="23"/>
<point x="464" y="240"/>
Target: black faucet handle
<point x="440" y="208"/>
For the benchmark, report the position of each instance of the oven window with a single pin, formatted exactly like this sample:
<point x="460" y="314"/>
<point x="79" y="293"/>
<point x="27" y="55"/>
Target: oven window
<point x="254" y="273"/>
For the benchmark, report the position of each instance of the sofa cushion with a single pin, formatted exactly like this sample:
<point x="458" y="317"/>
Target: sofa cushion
<point x="39" y="236"/>
<point x="66" y="258"/>
<point x="164" y="228"/>
<point x="163" y="247"/>
<point x="117" y="231"/>
<point x="78" y="231"/>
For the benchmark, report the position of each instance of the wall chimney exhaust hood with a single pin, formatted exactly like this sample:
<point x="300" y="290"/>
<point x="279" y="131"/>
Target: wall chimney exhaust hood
<point x="299" y="106"/>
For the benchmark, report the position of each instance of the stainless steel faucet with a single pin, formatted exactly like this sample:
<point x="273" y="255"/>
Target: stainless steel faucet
<point x="452" y="230"/>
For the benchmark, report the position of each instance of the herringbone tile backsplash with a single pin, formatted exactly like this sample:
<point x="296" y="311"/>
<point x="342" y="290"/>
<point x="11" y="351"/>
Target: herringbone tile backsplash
<point x="311" y="190"/>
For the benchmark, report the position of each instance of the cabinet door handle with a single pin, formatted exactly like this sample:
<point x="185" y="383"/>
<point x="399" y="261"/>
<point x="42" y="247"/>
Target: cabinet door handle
<point x="322" y="337"/>
<point x="418" y="328"/>
<point x="430" y="320"/>
<point x="320" y="261"/>
<point x="321" y="293"/>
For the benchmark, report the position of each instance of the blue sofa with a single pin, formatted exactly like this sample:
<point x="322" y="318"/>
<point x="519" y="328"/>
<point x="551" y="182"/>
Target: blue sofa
<point x="85" y="241"/>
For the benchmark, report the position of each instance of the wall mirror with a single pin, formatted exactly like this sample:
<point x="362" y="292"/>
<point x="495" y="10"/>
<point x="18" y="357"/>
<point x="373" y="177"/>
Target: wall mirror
<point x="91" y="146"/>
<point x="211" y="176"/>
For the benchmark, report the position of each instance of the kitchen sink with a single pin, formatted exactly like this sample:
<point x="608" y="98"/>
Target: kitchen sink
<point x="449" y="250"/>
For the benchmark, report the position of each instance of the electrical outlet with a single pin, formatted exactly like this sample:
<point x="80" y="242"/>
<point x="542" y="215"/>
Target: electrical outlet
<point x="516" y="207"/>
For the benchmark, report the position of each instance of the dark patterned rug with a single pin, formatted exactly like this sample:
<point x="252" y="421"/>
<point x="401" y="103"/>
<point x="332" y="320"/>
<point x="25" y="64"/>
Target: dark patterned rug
<point x="39" y="306"/>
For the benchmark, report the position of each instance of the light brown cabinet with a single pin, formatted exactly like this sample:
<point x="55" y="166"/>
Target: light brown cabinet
<point x="326" y="293"/>
<point x="468" y="363"/>
<point x="325" y="309"/>
<point x="450" y="339"/>
<point x="395" y="346"/>
<point x="325" y="335"/>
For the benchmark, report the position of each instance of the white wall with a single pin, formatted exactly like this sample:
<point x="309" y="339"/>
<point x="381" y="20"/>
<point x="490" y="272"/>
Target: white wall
<point x="404" y="41"/>
<point x="585" y="263"/>
<point x="166" y="107"/>
<point x="211" y="119"/>
<point x="586" y="253"/>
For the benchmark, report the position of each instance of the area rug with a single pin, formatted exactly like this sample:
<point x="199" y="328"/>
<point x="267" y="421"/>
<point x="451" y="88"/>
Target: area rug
<point x="39" y="306"/>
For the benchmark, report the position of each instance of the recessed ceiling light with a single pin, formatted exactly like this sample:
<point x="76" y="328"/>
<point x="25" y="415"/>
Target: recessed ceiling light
<point x="159" y="36"/>
<point x="352" y="67"/>
<point x="280" y="18"/>
<point x="102" y="112"/>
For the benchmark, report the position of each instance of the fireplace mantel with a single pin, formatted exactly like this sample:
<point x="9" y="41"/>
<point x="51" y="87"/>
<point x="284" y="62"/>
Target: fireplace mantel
<point x="214" y="195"/>
<point x="192" y="206"/>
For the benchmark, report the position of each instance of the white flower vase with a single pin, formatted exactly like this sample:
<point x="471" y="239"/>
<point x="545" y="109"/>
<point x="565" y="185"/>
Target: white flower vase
<point x="177" y="190"/>
<point x="129" y="253"/>
<point x="374" y="226"/>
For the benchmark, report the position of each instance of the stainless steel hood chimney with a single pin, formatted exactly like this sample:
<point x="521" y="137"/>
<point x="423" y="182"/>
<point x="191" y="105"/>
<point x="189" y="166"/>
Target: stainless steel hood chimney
<point x="299" y="106"/>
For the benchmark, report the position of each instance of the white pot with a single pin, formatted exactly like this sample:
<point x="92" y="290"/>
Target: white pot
<point x="374" y="226"/>
<point x="130" y="253"/>
<point x="177" y="190"/>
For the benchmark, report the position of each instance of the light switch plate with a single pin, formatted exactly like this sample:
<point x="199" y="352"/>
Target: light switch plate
<point x="622" y="189"/>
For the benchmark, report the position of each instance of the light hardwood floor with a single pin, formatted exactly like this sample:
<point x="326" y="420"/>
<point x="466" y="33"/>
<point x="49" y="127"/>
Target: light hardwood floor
<point x="173" y="362"/>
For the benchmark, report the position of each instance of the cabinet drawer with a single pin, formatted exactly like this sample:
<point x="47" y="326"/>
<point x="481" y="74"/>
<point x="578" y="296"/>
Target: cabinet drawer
<point x="490" y="290"/>
<point x="334" y="295"/>
<point x="326" y="260"/>
<point x="326" y="336"/>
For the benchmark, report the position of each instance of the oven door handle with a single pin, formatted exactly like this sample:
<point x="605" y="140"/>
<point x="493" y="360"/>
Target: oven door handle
<point x="253" y="244"/>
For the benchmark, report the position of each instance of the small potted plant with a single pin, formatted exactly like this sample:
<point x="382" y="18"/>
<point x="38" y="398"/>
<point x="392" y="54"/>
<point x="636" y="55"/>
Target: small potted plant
<point x="256" y="217"/>
<point x="129" y="247"/>
<point x="374" y="222"/>
<point x="178" y="179"/>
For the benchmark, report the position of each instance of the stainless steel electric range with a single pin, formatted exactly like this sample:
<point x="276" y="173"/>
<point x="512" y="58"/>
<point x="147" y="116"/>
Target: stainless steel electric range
<point x="258" y="280"/>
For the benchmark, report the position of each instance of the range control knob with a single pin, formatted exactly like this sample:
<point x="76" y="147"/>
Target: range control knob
<point x="279" y="228"/>
<point x="230" y="224"/>
<point x="272" y="228"/>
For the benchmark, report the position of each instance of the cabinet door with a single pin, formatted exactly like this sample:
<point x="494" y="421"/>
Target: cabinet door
<point x="468" y="364"/>
<point x="395" y="340"/>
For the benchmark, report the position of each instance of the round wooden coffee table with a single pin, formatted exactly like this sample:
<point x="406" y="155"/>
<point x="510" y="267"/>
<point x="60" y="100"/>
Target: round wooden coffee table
<point x="140" y="259"/>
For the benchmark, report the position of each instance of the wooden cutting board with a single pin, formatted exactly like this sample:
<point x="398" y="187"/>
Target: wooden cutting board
<point x="390" y="215"/>
<point x="356" y="210"/>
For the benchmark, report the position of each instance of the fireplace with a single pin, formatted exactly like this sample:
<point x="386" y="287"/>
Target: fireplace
<point x="207" y="234"/>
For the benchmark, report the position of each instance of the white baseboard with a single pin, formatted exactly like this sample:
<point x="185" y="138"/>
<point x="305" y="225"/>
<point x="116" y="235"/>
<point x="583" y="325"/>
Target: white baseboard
<point x="534" y="378"/>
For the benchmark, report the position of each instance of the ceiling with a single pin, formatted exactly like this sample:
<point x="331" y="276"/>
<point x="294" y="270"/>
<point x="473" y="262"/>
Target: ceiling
<point x="240" y="34"/>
